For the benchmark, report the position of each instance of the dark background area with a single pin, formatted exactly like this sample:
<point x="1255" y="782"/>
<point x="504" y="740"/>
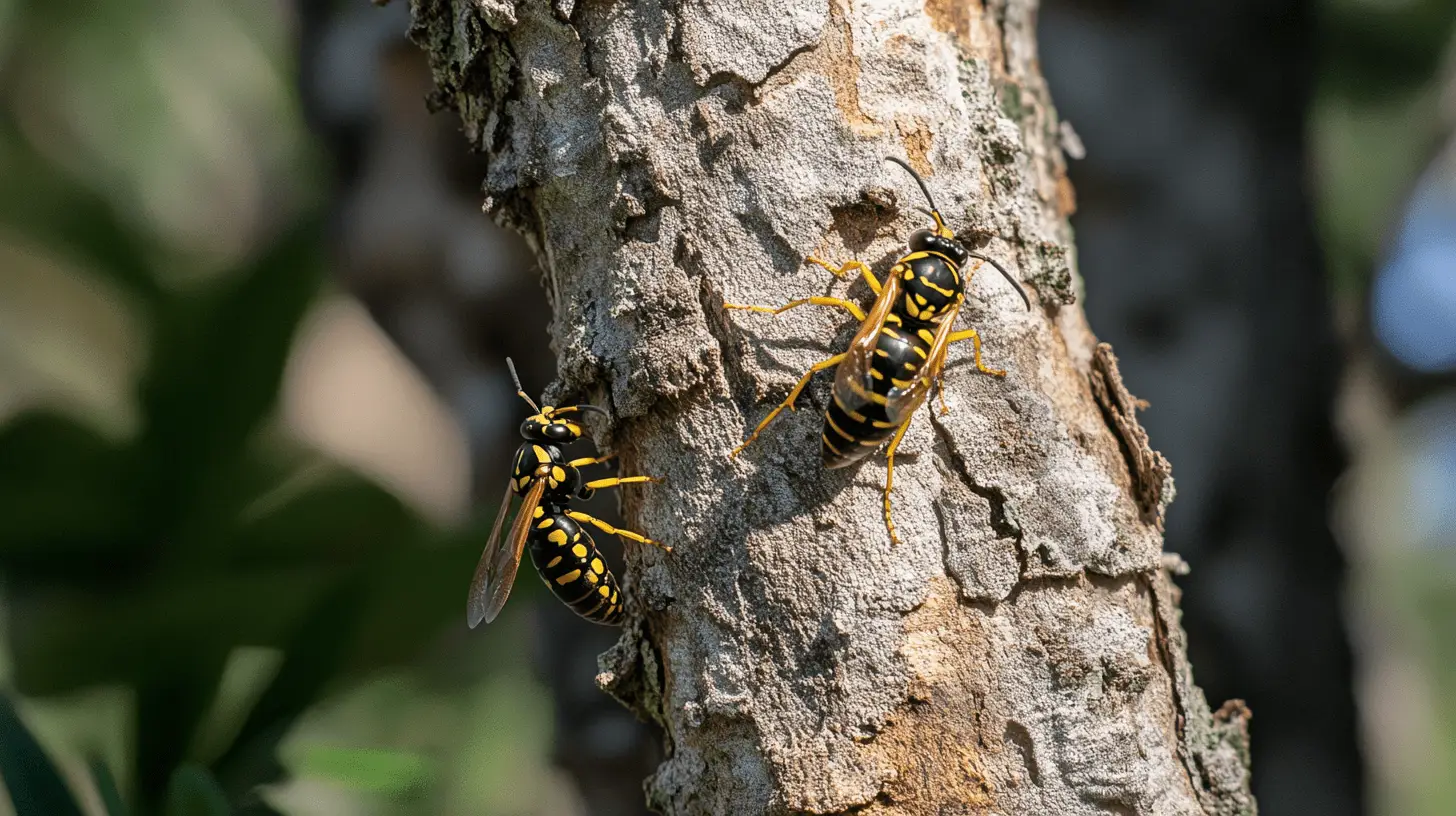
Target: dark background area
<point x="254" y="414"/>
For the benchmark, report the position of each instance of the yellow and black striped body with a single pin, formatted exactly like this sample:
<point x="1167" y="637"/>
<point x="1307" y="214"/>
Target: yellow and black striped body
<point x="546" y="482"/>
<point x="569" y="563"/>
<point x="856" y="423"/>
<point x="564" y="554"/>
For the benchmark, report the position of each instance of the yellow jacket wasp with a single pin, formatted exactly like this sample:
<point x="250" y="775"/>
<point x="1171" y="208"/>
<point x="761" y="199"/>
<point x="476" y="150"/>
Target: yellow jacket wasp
<point x="900" y="349"/>
<point x="563" y="552"/>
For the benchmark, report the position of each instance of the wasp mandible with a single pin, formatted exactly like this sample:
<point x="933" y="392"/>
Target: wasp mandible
<point x="563" y="552"/>
<point x="900" y="349"/>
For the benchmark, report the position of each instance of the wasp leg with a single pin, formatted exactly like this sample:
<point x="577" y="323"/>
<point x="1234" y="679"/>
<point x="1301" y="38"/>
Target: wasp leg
<point x="890" y="480"/>
<point x="816" y="300"/>
<point x="788" y="403"/>
<point x="590" y="460"/>
<point x="849" y="266"/>
<point x="600" y="484"/>
<point x="577" y="515"/>
<point x="975" y="338"/>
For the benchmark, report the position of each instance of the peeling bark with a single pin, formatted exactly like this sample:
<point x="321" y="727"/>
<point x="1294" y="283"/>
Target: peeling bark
<point x="1020" y="651"/>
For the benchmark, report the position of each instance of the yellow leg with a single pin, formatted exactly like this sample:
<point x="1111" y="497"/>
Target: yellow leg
<point x="975" y="338"/>
<point x="577" y="515"/>
<point x="940" y="393"/>
<point x="890" y="480"/>
<point x="816" y="300"/>
<point x="849" y="266"/>
<point x="788" y="403"/>
<point x="599" y="484"/>
<point x="591" y="460"/>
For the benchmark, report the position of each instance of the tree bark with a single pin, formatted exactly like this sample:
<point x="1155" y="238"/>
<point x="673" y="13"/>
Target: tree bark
<point x="1019" y="652"/>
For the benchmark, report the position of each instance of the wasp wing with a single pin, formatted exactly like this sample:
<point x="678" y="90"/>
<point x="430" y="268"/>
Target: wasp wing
<point x="900" y="403"/>
<point x="852" y="382"/>
<point x="496" y="571"/>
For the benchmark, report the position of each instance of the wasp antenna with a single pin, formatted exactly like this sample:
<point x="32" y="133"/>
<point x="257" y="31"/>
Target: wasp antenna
<point x="582" y="409"/>
<point x="1007" y="275"/>
<point x="521" y="392"/>
<point x="918" y="180"/>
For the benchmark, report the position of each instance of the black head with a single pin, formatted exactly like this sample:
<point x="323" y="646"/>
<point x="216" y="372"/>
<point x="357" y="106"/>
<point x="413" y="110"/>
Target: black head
<point x="546" y="427"/>
<point x="549" y="424"/>
<point x="925" y="240"/>
<point x="942" y="240"/>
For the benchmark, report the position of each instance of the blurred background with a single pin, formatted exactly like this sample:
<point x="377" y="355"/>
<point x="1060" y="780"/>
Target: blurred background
<point x="254" y="415"/>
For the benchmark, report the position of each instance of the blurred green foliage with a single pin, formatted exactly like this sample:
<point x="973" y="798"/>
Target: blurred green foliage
<point x="145" y="563"/>
<point x="196" y="605"/>
<point x="1375" y="123"/>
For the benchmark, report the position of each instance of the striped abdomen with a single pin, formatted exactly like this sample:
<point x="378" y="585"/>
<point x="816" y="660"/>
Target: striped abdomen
<point x="569" y="563"/>
<point x="856" y="427"/>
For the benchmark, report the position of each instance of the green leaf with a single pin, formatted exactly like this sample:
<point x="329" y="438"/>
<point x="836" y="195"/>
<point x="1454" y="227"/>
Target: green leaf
<point x="313" y="658"/>
<point x="106" y="787"/>
<point x="42" y="203"/>
<point x="218" y="360"/>
<point x="34" y="784"/>
<point x="395" y="773"/>
<point x="65" y="495"/>
<point x="193" y="792"/>
<point x="219" y="354"/>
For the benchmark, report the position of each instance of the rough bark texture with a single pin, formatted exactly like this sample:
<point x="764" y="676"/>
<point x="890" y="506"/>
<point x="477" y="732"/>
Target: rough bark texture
<point x="1020" y="651"/>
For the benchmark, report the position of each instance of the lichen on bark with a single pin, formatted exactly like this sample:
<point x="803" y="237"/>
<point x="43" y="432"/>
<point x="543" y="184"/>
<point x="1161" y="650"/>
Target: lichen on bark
<point x="1019" y="651"/>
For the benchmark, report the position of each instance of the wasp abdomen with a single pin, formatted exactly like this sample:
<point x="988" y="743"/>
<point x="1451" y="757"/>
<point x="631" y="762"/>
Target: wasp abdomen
<point x="568" y="561"/>
<point x="851" y="434"/>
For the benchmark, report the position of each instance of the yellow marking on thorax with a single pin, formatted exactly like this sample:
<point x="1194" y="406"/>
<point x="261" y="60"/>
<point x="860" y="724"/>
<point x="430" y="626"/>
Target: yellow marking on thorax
<point x="579" y="551"/>
<point x="541" y="454"/>
<point x="928" y="284"/>
<point x="546" y="523"/>
<point x="569" y="577"/>
<point x="606" y="592"/>
<point x="597" y="566"/>
<point x="557" y="537"/>
<point x="924" y="334"/>
<point x="553" y="562"/>
<point x="557" y="476"/>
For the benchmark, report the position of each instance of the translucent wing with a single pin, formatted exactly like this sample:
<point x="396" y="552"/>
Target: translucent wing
<point x="852" y="382"/>
<point x="496" y="571"/>
<point x="902" y="402"/>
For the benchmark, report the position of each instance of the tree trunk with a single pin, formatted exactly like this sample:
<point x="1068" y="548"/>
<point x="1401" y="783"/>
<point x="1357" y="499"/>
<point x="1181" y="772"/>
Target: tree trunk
<point x="1019" y="652"/>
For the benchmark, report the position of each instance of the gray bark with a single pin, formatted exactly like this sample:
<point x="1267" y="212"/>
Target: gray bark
<point x="1019" y="652"/>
